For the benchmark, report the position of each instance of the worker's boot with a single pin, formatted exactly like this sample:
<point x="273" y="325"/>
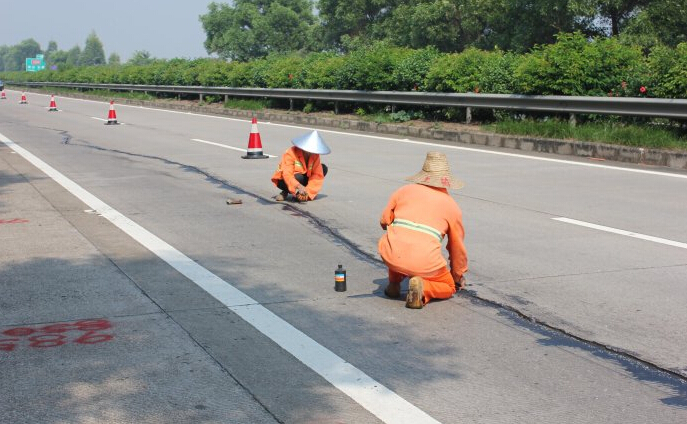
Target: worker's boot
<point x="393" y="290"/>
<point x="282" y="196"/>
<point x="414" y="297"/>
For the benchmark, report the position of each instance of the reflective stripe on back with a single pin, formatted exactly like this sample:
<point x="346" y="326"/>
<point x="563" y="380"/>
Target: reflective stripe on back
<point x="417" y="227"/>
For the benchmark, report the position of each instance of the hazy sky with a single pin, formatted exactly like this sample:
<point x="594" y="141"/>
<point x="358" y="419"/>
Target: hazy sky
<point x="165" y="28"/>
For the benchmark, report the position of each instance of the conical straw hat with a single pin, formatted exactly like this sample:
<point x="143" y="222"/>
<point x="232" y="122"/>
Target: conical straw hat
<point x="311" y="142"/>
<point x="436" y="173"/>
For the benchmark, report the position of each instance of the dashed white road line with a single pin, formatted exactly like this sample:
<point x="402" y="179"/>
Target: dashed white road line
<point x="370" y="394"/>
<point x="225" y="146"/>
<point x="623" y="232"/>
<point x="105" y="120"/>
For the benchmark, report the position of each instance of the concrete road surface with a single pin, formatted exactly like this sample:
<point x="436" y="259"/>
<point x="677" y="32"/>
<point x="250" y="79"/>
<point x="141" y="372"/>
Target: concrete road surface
<point x="131" y="292"/>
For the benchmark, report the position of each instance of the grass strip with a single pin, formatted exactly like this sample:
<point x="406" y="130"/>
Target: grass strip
<point x="648" y="135"/>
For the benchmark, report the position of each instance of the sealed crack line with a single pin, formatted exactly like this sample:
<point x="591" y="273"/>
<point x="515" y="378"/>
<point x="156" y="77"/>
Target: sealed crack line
<point x="318" y="223"/>
<point x="66" y="137"/>
<point x="606" y="348"/>
<point x="582" y="274"/>
<point x="365" y="256"/>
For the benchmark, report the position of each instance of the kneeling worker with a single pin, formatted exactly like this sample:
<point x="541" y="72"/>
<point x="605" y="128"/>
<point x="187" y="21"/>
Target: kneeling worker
<point x="300" y="172"/>
<point x="416" y="219"/>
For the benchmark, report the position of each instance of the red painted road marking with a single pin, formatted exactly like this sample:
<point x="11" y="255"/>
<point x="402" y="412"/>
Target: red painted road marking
<point x="91" y="338"/>
<point x="47" y="340"/>
<point x="19" y="331"/>
<point x="7" y="344"/>
<point x="14" y="221"/>
<point x="53" y="335"/>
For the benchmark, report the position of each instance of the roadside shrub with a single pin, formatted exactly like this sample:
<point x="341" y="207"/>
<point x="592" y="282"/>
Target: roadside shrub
<point x="309" y="107"/>
<point x="404" y="116"/>
<point x="674" y="81"/>
<point x="659" y="62"/>
<point x="457" y="72"/>
<point x="411" y="71"/>
<point x="209" y="73"/>
<point x="319" y="71"/>
<point x="239" y="74"/>
<point x="576" y="66"/>
<point x="496" y="73"/>
<point x="370" y="68"/>
<point x="171" y="72"/>
<point x="258" y="74"/>
<point x="282" y="70"/>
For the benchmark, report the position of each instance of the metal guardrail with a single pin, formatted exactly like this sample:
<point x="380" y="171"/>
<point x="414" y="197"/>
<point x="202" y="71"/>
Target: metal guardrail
<point x="627" y="106"/>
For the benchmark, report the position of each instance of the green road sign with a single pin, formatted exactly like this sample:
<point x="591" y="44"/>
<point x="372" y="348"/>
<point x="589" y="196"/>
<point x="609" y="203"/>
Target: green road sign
<point x="34" y="64"/>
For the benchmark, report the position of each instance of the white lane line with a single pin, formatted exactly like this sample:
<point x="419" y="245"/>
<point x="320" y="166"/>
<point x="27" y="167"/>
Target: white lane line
<point x="623" y="232"/>
<point x="372" y="395"/>
<point x="425" y="143"/>
<point x="225" y="146"/>
<point x="105" y="120"/>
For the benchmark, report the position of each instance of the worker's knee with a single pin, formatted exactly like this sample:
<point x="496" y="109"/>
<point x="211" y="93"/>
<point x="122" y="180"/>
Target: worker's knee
<point x="302" y="179"/>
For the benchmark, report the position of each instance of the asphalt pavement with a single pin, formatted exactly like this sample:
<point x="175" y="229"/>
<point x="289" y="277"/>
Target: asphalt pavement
<point x="131" y="292"/>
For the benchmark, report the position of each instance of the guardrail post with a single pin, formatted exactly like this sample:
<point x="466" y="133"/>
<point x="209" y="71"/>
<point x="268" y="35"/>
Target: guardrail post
<point x="226" y="98"/>
<point x="573" y="120"/>
<point x="336" y="108"/>
<point x="201" y="97"/>
<point x="468" y="115"/>
<point x="290" y="104"/>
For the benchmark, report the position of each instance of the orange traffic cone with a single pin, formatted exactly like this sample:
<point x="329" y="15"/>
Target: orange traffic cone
<point x="254" y="150"/>
<point x="23" y="100"/>
<point x="53" y="105"/>
<point x="112" y="115"/>
<point x="3" y="96"/>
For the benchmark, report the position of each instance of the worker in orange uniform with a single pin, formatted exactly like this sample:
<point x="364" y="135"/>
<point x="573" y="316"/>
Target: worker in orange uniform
<point x="300" y="172"/>
<point x="416" y="219"/>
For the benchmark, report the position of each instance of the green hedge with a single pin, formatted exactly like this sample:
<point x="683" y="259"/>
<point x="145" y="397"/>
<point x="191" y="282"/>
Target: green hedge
<point x="574" y="65"/>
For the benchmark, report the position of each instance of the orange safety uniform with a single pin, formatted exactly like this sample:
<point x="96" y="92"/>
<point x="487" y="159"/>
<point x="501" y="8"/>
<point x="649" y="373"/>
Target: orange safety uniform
<point x="417" y="218"/>
<point x="292" y="163"/>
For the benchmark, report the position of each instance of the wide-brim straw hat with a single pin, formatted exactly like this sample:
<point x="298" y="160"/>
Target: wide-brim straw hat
<point x="311" y="142"/>
<point x="436" y="173"/>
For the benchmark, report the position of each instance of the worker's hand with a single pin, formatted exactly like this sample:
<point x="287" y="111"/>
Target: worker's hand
<point x="460" y="284"/>
<point x="301" y="194"/>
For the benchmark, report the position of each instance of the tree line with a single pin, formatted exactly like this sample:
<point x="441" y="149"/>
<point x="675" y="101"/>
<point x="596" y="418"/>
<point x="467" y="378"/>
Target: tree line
<point x="13" y="58"/>
<point x="250" y="29"/>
